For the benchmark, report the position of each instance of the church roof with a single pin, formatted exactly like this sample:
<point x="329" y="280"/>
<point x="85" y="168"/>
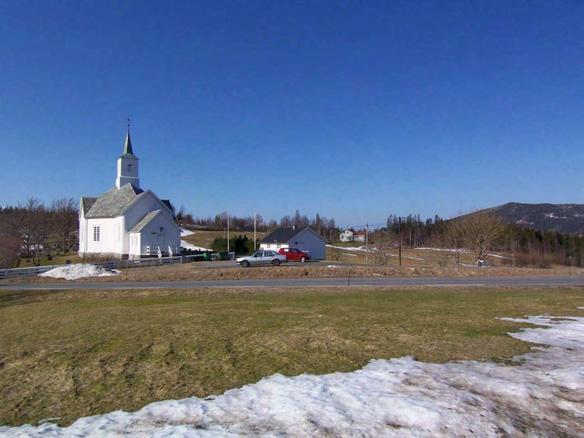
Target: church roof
<point x="168" y="204"/>
<point x="114" y="202"/>
<point x="144" y="221"/>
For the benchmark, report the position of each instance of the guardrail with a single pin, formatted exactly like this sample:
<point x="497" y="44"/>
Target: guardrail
<point x="22" y="272"/>
<point x="112" y="264"/>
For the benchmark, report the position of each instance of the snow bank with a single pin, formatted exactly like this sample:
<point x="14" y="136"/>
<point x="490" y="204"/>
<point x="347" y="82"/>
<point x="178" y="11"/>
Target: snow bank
<point x="187" y="245"/>
<point x="541" y="394"/>
<point x="76" y="271"/>
<point x="184" y="232"/>
<point x="352" y="248"/>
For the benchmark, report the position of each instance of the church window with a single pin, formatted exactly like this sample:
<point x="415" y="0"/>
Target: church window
<point x="129" y="167"/>
<point x="96" y="233"/>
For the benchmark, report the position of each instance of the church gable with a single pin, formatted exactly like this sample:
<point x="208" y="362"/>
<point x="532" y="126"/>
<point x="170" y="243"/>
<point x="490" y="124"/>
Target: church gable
<point x="145" y="203"/>
<point x="86" y="203"/>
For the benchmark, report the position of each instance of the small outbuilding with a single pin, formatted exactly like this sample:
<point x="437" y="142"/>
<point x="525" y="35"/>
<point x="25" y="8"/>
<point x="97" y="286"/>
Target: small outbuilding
<point x="305" y="239"/>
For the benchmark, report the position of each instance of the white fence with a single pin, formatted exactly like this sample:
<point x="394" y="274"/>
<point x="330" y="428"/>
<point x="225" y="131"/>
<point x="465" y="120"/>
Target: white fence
<point x="113" y="264"/>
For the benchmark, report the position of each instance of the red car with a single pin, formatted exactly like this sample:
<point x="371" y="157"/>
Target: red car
<point x="294" y="255"/>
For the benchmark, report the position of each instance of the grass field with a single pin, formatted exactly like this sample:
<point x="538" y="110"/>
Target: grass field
<point x="71" y="354"/>
<point x="204" y="238"/>
<point x="418" y="257"/>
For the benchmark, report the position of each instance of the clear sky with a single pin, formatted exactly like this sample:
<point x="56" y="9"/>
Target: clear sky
<point x="353" y="109"/>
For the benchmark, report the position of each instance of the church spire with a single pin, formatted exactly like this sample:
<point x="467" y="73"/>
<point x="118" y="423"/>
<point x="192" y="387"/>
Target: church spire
<point x="128" y="142"/>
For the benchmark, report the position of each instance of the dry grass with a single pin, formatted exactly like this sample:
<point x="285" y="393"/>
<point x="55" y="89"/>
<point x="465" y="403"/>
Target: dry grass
<point x="418" y="257"/>
<point x="317" y="270"/>
<point x="196" y="271"/>
<point x="56" y="260"/>
<point x="70" y="354"/>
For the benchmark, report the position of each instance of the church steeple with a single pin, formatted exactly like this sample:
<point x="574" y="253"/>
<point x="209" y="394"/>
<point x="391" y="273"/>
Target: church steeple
<point x="128" y="143"/>
<point x="128" y="165"/>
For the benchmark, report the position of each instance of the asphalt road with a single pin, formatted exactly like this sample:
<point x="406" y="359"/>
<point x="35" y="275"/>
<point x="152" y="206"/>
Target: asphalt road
<point x="306" y="282"/>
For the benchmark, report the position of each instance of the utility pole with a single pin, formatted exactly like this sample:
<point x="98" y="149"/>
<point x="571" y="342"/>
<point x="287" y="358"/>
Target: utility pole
<point x="227" y="232"/>
<point x="367" y="244"/>
<point x="254" y="230"/>
<point x="400" y="239"/>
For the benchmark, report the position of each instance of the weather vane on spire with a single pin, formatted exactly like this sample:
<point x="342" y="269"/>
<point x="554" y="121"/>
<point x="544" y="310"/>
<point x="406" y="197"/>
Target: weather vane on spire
<point x="129" y="123"/>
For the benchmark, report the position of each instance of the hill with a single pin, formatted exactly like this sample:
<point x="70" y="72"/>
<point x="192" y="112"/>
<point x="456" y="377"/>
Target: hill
<point x="564" y="218"/>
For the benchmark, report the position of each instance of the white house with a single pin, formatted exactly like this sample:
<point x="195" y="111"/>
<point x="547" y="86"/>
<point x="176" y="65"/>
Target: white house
<point x="347" y="235"/>
<point x="305" y="239"/>
<point x="351" y="235"/>
<point x="127" y="221"/>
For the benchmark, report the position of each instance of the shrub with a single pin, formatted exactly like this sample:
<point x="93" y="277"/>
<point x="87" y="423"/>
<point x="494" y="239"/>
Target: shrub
<point x="238" y="244"/>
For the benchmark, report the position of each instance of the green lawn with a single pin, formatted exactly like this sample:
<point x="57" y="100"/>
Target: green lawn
<point x="71" y="354"/>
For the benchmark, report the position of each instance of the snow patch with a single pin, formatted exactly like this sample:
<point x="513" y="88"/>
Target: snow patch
<point x="498" y="256"/>
<point x="352" y="248"/>
<point x="184" y="232"/>
<point x="188" y="245"/>
<point x="422" y="248"/>
<point x="407" y="257"/>
<point x="541" y="394"/>
<point x="76" y="271"/>
<point x="461" y="251"/>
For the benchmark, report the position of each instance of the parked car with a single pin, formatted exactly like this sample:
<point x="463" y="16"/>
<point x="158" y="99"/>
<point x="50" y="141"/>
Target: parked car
<point x="261" y="257"/>
<point x="294" y="254"/>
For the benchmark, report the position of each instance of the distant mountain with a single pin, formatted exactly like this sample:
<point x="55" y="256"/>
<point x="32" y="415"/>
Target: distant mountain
<point x="564" y="218"/>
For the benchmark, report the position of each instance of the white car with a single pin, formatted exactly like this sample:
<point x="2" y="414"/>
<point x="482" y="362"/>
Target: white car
<point x="262" y="257"/>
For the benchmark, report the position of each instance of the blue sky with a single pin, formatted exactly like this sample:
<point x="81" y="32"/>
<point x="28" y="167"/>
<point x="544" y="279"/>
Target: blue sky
<point x="353" y="109"/>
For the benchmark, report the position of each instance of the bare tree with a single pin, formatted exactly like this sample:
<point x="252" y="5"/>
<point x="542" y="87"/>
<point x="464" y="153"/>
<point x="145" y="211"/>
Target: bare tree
<point x="34" y="227"/>
<point x="180" y="215"/>
<point x="451" y="239"/>
<point x="382" y="254"/>
<point x="286" y="222"/>
<point x="65" y="218"/>
<point x="11" y="240"/>
<point x="479" y="233"/>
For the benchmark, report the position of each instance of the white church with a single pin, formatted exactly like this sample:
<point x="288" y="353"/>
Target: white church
<point x="127" y="221"/>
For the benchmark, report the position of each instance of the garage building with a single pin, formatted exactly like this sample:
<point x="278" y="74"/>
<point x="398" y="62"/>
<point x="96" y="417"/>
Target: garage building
<point x="305" y="239"/>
